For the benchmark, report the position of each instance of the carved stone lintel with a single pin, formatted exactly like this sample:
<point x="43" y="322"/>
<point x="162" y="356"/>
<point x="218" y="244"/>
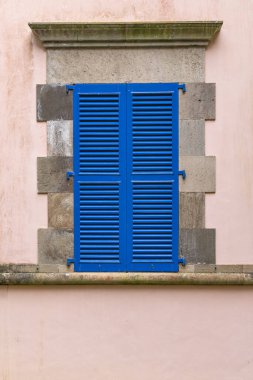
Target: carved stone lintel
<point x="137" y="34"/>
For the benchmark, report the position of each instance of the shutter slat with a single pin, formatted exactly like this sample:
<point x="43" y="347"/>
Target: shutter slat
<point x="104" y="163"/>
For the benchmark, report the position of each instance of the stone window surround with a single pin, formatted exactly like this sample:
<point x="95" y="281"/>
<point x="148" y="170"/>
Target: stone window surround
<point x="78" y="35"/>
<point x="69" y="47"/>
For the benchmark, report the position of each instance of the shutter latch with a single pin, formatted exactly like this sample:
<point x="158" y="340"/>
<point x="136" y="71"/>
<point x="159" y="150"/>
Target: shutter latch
<point x="69" y="174"/>
<point x="182" y="173"/>
<point x="181" y="260"/>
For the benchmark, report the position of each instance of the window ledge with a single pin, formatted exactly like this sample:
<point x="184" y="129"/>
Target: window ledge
<point x="126" y="279"/>
<point x="137" y="34"/>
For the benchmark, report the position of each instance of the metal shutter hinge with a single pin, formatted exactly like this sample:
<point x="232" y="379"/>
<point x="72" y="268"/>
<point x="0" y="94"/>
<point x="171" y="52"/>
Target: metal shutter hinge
<point x="182" y="87"/>
<point x="69" y="174"/>
<point x="181" y="260"/>
<point x="69" y="87"/>
<point x="182" y="173"/>
<point x="70" y="261"/>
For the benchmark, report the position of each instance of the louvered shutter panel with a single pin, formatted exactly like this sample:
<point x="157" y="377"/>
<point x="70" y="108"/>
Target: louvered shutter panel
<point x="100" y="180"/>
<point x="152" y="177"/>
<point x="126" y="177"/>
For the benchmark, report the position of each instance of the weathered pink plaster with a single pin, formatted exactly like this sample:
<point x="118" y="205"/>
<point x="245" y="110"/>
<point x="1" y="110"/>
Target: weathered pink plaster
<point x="230" y="137"/>
<point x="122" y="333"/>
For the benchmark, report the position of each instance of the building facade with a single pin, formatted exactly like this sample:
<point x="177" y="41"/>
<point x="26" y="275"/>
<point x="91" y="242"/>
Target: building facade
<point x="96" y="229"/>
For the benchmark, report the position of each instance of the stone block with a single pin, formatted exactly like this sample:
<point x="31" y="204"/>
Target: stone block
<point x="229" y="268"/>
<point x="18" y="268"/>
<point x="51" y="174"/>
<point x="204" y="268"/>
<point x="60" y="210"/>
<point x="53" y="102"/>
<point x="200" y="174"/>
<point x="198" y="102"/>
<point x="192" y="210"/>
<point x="198" y="245"/>
<point x="188" y="268"/>
<point x="66" y="268"/>
<point x="125" y="65"/>
<point x="60" y="138"/>
<point x="248" y="268"/>
<point x="49" y="268"/>
<point x="55" y="246"/>
<point x="192" y="138"/>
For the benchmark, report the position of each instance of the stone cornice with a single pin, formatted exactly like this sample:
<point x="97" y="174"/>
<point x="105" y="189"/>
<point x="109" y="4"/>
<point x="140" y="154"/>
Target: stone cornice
<point x="134" y="34"/>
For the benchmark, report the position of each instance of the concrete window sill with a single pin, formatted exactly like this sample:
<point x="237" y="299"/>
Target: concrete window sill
<point x="126" y="279"/>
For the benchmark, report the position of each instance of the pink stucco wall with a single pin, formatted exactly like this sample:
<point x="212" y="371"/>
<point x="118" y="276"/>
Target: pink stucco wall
<point x="126" y="333"/>
<point x="230" y="137"/>
<point x="96" y="333"/>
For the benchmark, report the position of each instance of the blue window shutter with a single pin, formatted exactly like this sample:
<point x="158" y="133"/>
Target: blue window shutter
<point x="126" y="177"/>
<point x="152" y="177"/>
<point x="100" y="178"/>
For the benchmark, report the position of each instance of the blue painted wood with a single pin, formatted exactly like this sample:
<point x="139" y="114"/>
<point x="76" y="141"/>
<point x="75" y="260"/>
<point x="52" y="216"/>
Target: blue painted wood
<point x="126" y="177"/>
<point x="152" y="177"/>
<point x="100" y="179"/>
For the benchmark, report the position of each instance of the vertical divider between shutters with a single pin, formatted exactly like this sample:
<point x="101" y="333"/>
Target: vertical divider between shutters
<point x="129" y="219"/>
<point x="123" y="168"/>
